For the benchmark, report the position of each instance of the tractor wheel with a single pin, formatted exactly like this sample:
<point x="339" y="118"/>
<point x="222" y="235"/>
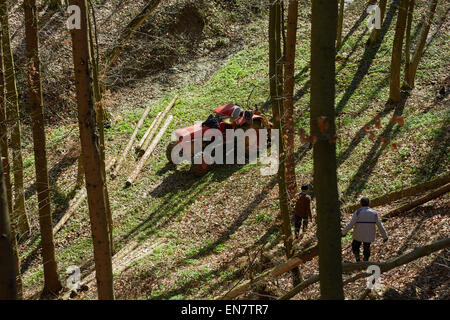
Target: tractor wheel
<point x="199" y="170"/>
<point x="169" y="151"/>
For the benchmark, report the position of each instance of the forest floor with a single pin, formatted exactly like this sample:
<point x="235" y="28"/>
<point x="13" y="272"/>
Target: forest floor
<point x="181" y="237"/>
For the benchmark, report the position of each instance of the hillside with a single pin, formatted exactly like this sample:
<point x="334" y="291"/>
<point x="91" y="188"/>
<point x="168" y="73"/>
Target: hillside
<point x="177" y="236"/>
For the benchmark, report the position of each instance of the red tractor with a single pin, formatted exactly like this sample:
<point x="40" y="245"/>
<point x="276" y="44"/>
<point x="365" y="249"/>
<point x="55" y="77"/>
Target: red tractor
<point x="229" y="116"/>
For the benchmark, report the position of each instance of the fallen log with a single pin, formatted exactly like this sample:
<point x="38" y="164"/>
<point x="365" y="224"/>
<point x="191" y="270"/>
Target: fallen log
<point x="74" y="204"/>
<point x="411" y="205"/>
<point x="274" y="272"/>
<point x="399" y="194"/>
<point x="130" y="143"/>
<point x="141" y="142"/>
<point x="149" y="138"/>
<point x="148" y="152"/>
<point x="415" y="254"/>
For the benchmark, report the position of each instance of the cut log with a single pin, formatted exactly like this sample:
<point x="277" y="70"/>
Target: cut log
<point x="149" y="138"/>
<point x="415" y="254"/>
<point x="407" y="192"/>
<point x="274" y="272"/>
<point x="411" y="205"/>
<point x="74" y="204"/>
<point x="141" y="142"/>
<point x="130" y="143"/>
<point x="148" y="152"/>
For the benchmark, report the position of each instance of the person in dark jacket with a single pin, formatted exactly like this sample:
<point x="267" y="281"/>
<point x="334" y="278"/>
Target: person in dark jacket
<point x="302" y="211"/>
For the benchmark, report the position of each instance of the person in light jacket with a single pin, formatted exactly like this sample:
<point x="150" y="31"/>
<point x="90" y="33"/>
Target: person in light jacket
<point x="364" y="221"/>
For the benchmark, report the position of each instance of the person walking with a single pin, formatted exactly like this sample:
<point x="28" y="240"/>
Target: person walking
<point x="364" y="221"/>
<point x="302" y="211"/>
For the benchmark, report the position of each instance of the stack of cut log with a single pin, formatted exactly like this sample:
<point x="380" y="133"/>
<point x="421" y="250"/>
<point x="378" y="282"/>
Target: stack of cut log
<point x="147" y="144"/>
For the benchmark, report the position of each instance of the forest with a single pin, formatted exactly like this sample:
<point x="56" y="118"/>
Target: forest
<point x="224" y="150"/>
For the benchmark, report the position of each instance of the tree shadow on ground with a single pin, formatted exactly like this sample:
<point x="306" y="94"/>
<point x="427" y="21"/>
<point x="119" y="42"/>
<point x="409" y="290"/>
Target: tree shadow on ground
<point x="367" y="58"/>
<point x="434" y="276"/>
<point x="55" y="172"/>
<point x="361" y="134"/>
<point x="237" y="274"/>
<point x="424" y="212"/>
<point x="360" y="178"/>
<point x="243" y="216"/>
<point x="435" y="161"/>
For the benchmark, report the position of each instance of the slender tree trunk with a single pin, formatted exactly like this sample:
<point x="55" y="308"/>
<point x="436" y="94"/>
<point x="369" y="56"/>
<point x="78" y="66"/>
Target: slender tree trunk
<point x="12" y="111"/>
<point x="80" y="171"/>
<point x="340" y="23"/>
<point x="51" y="279"/>
<point x="276" y="93"/>
<point x="92" y="156"/>
<point x="408" y="37"/>
<point x="322" y="122"/>
<point x="8" y="267"/>
<point x="289" y="96"/>
<point x="394" y="92"/>
<point x="100" y="124"/>
<point x="376" y="32"/>
<point x="412" y="67"/>
<point x="6" y="171"/>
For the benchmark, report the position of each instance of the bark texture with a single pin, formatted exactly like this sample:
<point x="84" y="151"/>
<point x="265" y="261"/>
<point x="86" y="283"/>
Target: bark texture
<point x="412" y="67"/>
<point x="8" y="286"/>
<point x="322" y="124"/>
<point x="12" y="112"/>
<point x="289" y="83"/>
<point x="396" y="61"/>
<point x="51" y="279"/>
<point x="276" y="94"/>
<point x="91" y="156"/>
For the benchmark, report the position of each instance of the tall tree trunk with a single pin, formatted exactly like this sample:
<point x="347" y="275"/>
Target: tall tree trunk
<point x="6" y="171"/>
<point x="375" y="32"/>
<point x="394" y="91"/>
<point x="8" y="267"/>
<point x="51" y="279"/>
<point x="408" y="37"/>
<point x="276" y="93"/>
<point x="322" y="122"/>
<point x="412" y="67"/>
<point x="92" y="156"/>
<point x="101" y="129"/>
<point x="12" y="111"/>
<point x="289" y="83"/>
<point x="340" y="23"/>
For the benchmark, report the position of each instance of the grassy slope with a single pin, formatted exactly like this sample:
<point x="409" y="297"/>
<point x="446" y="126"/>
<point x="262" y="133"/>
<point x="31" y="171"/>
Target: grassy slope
<point x="193" y="234"/>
